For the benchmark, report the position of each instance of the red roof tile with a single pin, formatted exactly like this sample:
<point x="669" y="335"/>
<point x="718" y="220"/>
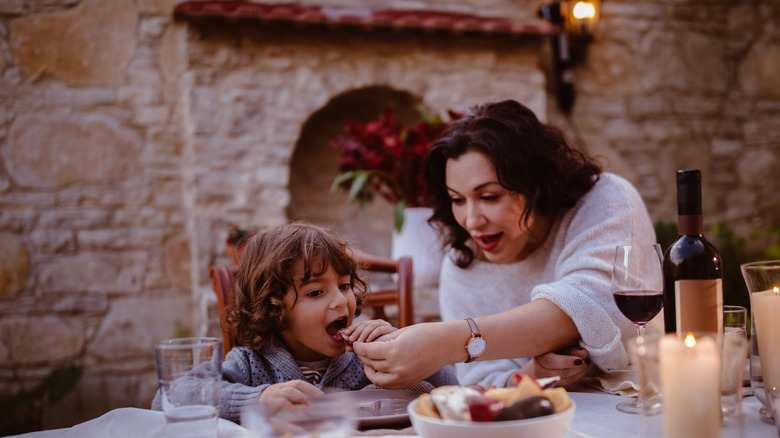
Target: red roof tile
<point x="363" y="17"/>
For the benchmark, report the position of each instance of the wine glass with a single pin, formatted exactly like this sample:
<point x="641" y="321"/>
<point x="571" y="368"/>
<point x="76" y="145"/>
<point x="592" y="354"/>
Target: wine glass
<point x="637" y="287"/>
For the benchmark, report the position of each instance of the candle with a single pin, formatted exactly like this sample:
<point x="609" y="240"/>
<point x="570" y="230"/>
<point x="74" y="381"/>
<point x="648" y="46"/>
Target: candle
<point x="690" y="383"/>
<point x="766" y="309"/>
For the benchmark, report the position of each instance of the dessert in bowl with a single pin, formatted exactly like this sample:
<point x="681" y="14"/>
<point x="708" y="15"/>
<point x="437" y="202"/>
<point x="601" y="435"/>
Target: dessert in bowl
<point x="466" y="412"/>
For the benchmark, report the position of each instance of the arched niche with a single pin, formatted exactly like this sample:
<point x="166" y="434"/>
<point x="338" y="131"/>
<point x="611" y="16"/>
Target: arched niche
<point x="315" y="165"/>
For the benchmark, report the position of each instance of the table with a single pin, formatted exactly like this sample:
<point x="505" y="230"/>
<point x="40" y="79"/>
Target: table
<point x="596" y="417"/>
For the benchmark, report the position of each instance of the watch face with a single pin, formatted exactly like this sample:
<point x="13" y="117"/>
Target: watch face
<point x="476" y="347"/>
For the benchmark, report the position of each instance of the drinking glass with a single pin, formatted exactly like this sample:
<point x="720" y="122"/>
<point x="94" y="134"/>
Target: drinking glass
<point x="188" y="371"/>
<point x="637" y="287"/>
<point x="326" y="417"/>
<point x="735" y="320"/>
<point x="763" y="283"/>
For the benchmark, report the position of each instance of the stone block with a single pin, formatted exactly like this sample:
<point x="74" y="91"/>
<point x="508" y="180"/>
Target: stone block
<point x="11" y="7"/>
<point x="73" y="218"/>
<point x="151" y="115"/>
<point x="99" y="272"/>
<point x="81" y="304"/>
<point x="53" y="241"/>
<point x="144" y="72"/>
<point x="120" y="238"/>
<point x="47" y="151"/>
<point x="38" y="340"/>
<point x="133" y="325"/>
<point x="85" y="97"/>
<point x="90" y="44"/>
<point x="14" y="266"/>
<point x="178" y="263"/>
<point x="173" y="53"/>
<point x="726" y="147"/>
<point x="757" y="167"/>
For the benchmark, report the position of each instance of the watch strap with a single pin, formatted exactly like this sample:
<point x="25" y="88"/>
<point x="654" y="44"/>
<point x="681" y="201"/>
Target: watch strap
<point x="475" y="333"/>
<point x="474" y="328"/>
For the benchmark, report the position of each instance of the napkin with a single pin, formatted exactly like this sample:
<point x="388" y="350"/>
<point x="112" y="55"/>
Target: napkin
<point x="616" y="382"/>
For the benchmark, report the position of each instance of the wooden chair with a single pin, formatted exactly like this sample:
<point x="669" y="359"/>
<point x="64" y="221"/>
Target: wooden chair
<point x="221" y="279"/>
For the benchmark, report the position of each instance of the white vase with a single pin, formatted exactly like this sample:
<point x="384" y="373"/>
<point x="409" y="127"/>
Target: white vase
<point x="422" y="242"/>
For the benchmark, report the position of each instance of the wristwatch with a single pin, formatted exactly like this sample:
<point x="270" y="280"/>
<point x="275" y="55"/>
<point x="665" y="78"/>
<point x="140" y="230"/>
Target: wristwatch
<point x="476" y="344"/>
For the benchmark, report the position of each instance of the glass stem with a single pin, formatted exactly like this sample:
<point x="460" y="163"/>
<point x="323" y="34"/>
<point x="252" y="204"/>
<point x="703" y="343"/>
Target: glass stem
<point x="640" y="330"/>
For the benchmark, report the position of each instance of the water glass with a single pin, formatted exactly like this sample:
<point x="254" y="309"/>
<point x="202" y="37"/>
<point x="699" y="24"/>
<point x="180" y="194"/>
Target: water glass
<point x="189" y="374"/>
<point x="734" y="349"/>
<point x="646" y="362"/>
<point x="735" y="320"/>
<point x="324" y="417"/>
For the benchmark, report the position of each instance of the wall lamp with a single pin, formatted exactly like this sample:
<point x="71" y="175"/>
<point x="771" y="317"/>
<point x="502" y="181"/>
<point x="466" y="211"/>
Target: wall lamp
<point x="578" y="21"/>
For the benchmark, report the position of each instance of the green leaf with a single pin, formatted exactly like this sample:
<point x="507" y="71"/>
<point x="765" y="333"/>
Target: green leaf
<point x="341" y="178"/>
<point x="399" y="216"/>
<point x="361" y="178"/>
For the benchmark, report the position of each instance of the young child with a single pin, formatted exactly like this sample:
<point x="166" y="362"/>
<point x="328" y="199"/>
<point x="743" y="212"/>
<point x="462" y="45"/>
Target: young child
<point x="295" y="296"/>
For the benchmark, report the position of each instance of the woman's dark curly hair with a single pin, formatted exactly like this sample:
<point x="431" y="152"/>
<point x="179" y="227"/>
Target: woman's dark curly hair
<point x="531" y="158"/>
<point x="256" y="314"/>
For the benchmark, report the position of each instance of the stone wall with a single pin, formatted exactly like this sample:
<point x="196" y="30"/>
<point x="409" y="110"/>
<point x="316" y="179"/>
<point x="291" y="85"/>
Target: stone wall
<point x="129" y="142"/>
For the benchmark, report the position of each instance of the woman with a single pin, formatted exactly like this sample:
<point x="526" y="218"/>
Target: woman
<point x="532" y="225"/>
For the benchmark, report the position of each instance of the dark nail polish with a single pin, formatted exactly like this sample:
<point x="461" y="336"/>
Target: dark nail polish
<point x="577" y="361"/>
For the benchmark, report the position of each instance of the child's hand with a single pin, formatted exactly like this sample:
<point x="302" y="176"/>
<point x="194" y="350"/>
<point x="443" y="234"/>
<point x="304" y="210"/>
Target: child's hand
<point x="366" y="331"/>
<point x="286" y="395"/>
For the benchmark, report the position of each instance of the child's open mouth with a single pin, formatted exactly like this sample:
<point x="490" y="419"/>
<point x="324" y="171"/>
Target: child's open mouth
<point x="334" y="327"/>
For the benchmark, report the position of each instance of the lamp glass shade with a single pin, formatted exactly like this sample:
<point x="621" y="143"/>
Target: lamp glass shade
<point x="582" y="16"/>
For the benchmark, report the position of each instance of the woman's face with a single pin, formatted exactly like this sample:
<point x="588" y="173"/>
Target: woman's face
<point x="490" y="212"/>
<point x="325" y="305"/>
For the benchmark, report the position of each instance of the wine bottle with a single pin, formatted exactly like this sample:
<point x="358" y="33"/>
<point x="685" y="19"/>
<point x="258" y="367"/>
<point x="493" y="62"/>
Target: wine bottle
<point x="692" y="268"/>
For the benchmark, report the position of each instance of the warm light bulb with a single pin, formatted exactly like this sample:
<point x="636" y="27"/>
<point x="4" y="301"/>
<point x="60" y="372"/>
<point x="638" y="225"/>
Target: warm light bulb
<point x="584" y="10"/>
<point x="690" y="341"/>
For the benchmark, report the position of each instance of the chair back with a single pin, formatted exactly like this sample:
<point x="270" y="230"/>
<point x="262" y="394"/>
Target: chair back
<point x="221" y="279"/>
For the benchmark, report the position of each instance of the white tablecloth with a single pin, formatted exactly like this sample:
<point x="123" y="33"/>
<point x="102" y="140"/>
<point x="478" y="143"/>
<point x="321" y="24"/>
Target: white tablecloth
<point x="130" y="423"/>
<point x="596" y="417"/>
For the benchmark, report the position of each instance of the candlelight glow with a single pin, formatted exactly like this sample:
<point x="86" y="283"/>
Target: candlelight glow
<point x="690" y="341"/>
<point x="584" y="10"/>
<point x="776" y="290"/>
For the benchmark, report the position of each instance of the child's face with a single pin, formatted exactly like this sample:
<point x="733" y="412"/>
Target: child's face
<point x="325" y="305"/>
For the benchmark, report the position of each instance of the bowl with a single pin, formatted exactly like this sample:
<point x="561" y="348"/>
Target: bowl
<point x="548" y="426"/>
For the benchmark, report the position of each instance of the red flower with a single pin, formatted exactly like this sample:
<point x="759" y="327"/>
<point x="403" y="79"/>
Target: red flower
<point x="380" y="157"/>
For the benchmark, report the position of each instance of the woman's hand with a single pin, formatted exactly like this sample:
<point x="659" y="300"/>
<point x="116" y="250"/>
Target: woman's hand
<point x="286" y="395"/>
<point x="366" y="331"/>
<point x="570" y="364"/>
<point x="411" y="354"/>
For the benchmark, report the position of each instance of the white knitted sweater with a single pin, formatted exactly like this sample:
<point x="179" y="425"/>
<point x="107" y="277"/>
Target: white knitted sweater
<point x="572" y="269"/>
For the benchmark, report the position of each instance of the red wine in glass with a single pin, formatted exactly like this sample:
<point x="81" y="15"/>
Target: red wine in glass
<point x="640" y="306"/>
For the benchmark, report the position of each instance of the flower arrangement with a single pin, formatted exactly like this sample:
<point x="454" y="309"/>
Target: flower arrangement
<point x="382" y="158"/>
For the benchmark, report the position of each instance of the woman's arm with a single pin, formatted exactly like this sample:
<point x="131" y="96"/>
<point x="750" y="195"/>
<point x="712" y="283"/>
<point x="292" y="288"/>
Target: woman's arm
<point x="415" y="352"/>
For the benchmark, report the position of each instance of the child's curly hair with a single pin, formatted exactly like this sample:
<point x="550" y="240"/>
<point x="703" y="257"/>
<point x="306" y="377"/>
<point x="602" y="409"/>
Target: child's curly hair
<point x="256" y="314"/>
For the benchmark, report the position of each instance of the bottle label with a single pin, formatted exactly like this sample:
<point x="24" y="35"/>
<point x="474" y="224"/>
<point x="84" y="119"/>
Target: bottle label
<point x="699" y="305"/>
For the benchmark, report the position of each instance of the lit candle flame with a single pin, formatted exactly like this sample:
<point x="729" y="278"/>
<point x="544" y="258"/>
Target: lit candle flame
<point x="776" y="290"/>
<point x="690" y="341"/>
<point x="584" y="10"/>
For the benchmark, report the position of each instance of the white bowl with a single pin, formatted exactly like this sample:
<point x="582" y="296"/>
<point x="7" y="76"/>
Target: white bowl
<point x="548" y="426"/>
